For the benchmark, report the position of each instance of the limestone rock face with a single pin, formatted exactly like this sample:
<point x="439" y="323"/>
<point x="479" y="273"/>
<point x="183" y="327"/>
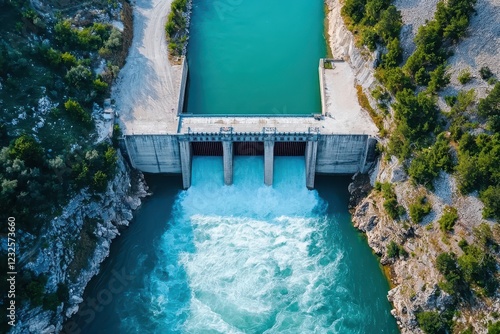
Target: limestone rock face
<point x="54" y="258"/>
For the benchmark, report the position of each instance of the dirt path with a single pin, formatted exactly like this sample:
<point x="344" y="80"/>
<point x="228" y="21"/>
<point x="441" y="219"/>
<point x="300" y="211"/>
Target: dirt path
<point x="146" y="92"/>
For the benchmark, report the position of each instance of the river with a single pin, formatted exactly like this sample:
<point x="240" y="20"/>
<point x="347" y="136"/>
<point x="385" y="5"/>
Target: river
<point x="245" y="258"/>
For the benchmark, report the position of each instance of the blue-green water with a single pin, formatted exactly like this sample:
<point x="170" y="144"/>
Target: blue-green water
<point x="245" y="258"/>
<point x="255" y="56"/>
<point x="240" y="259"/>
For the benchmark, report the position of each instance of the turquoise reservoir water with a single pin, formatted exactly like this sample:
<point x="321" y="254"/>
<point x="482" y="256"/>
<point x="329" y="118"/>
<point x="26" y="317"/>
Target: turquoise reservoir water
<point x="255" y="56"/>
<point x="240" y="259"/>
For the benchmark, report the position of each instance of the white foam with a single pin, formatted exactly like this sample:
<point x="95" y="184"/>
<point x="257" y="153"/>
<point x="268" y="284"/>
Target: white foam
<point x="247" y="258"/>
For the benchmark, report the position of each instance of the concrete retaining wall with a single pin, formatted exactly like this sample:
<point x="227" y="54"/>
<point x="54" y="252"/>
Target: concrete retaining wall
<point x="154" y="153"/>
<point x="182" y="90"/>
<point x="342" y="154"/>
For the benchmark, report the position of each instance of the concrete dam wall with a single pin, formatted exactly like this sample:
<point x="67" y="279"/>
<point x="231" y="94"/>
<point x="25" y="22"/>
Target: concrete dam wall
<point x="338" y="139"/>
<point x="323" y="154"/>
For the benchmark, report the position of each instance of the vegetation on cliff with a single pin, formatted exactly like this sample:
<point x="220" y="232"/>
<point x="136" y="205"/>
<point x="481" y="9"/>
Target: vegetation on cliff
<point x="464" y="141"/>
<point x="55" y="73"/>
<point x="176" y="27"/>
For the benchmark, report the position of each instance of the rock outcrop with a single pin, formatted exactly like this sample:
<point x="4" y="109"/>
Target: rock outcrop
<point x="55" y="254"/>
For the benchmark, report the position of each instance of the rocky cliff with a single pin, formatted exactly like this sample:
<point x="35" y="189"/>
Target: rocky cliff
<point x="59" y="253"/>
<point x="414" y="277"/>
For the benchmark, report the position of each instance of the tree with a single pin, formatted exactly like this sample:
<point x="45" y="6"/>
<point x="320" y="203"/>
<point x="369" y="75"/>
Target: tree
<point x="100" y="181"/>
<point x="389" y="25"/>
<point x="438" y="79"/>
<point x="79" y="76"/>
<point x="76" y="111"/>
<point x="431" y="322"/>
<point x="394" y="54"/>
<point x="448" y="219"/>
<point x="490" y="107"/>
<point x="416" y="116"/>
<point x="27" y="149"/>
<point x="494" y="328"/>
<point x="491" y="200"/>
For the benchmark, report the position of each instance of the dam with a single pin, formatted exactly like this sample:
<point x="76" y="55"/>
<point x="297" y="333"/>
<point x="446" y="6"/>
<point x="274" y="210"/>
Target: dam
<point x="339" y="139"/>
<point x="245" y="258"/>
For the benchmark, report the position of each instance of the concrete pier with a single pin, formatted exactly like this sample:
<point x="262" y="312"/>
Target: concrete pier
<point x="268" y="162"/>
<point x="186" y="162"/>
<point x="310" y="156"/>
<point x="227" y="148"/>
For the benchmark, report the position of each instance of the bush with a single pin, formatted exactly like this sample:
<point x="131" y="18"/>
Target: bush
<point x="494" y="328"/>
<point x="490" y="107"/>
<point x="68" y="59"/>
<point x="394" y="250"/>
<point x="79" y="77"/>
<point x="479" y="268"/>
<point x="491" y="199"/>
<point x="27" y="149"/>
<point x="485" y="73"/>
<point x="448" y="219"/>
<point x="416" y="117"/>
<point x="425" y="167"/>
<point x="117" y="133"/>
<point x="76" y="112"/>
<point x="446" y="264"/>
<point x="450" y="100"/>
<point x="419" y="209"/>
<point x="438" y="79"/>
<point x="100" y="86"/>
<point x="464" y="76"/>
<point x="391" y="206"/>
<point x="431" y="322"/>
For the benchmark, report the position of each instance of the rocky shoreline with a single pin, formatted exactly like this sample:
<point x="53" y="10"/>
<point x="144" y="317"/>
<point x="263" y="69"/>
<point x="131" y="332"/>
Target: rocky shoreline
<point x="414" y="278"/>
<point x="111" y="211"/>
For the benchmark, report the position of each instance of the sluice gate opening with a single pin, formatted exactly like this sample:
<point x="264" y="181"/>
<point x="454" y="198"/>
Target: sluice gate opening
<point x="207" y="148"/>
<point x="289" y="149"/>
<point x="248" y="148"/>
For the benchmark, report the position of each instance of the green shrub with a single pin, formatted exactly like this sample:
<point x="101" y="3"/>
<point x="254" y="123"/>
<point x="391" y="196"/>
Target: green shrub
<point x="79" y="76"/>
<point x="432" y="322"/>
<point x="100" y="86"/>
<point x="27" y="149"/>
<point x="425" y="167"/>
<point x="485" y="73"/>
<point x="491" y="199"/>
<point x="450" y="100"/>
<point x="446" y="264"/>
<point x="419" y="209"/>
<point x="494" y="328"/>
<point x="68" y="59"/>
<point x="175" y="26"/>
<point x="391" y="206"/>
<point x="464" y="76"/>
<point x="489" y="107"/>
<point x="448" y="219"/>
<point x="479" y="267"/>
<point x="76" y="111"/>
<point x="117" y="133"/>
<point x="438" y="79"/>
<point x="416" y="117"/>
<point x="394" y="250"/>
<point x="100" y="181"/>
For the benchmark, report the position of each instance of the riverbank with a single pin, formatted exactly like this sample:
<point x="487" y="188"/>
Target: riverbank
<point x="415" y="278"/>
<point x="60" y="254"/>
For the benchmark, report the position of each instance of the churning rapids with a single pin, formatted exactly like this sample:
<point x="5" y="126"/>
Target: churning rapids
<point x="248" y="258"/>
